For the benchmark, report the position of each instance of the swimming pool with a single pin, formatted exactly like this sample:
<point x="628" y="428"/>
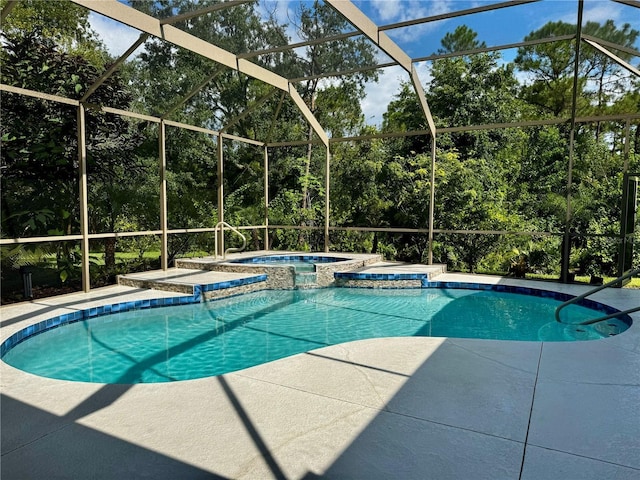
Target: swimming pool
<point x="211" y="338"/>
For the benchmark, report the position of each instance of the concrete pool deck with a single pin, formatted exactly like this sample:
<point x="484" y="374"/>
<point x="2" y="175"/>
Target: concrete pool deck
<point x="414" y="407"/>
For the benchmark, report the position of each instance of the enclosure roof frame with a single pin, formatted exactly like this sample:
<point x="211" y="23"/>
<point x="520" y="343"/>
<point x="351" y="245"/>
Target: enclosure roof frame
<point x="166" y="32"/>
<point x="163" y="29"/>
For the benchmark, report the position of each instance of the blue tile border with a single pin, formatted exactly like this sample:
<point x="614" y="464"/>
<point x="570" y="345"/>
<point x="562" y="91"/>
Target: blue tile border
<point x="86" y="314"/>
<point x="94" y="312"/>
<point x="233" y="283"/>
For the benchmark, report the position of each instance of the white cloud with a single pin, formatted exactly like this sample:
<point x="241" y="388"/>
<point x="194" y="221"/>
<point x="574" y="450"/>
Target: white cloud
<point x="594" y="11"/>
<point x="388" y="10"/>
<point x="379" y="94"/>
<point x="601" y="13"/>
<point x="116" y="36"/>
<point x="400" y="11"/>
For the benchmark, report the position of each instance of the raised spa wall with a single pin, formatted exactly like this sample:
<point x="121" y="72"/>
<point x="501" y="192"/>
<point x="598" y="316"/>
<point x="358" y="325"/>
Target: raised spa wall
<point x="283" y="277"/>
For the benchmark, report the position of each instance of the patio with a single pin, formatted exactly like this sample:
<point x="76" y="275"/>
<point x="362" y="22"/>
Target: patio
<point x="386" y="408"/>
<point x="414" y="407"/>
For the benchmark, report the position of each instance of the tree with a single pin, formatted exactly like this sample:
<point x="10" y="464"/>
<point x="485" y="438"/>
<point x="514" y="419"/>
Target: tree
<point x="472" y="90"/>
<point x="39" y="154"/>
<point x="361" y="193"/>
<point x="462" y="39"/>
<point x="63" y="22"/>
<point x="404" y="114"/>
<point x="541" y="180"/>
<point x="552" y="67"/>
<point x="317" y="22"/>
<point x="471" y="195"/>
<point x="163" y="75"/>
<point x="611" y="80"/>
<point x="472" y="168"/>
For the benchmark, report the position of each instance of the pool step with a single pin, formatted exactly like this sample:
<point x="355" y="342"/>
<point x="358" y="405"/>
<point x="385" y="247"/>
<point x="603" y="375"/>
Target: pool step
<point x="200" y="283"/>
<point x="390" y="275"/>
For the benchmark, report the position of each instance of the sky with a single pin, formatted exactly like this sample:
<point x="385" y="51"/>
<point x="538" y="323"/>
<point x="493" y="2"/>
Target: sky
<point x="498" y="27"/>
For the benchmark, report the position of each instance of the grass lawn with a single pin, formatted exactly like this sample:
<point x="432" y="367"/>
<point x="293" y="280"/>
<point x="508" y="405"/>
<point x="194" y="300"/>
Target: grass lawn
<point x="98" y="258"/>
<point x="634" y="283"/>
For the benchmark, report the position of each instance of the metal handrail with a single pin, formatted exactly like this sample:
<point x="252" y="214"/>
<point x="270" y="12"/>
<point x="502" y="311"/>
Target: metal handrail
<point x="629" y="274"/>
<point x="221" y="225"/>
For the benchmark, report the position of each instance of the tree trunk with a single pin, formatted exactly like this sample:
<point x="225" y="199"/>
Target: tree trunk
<point x="600" y="103"/>
<point x="110" y="254"/>
<point x="307" y="170"/>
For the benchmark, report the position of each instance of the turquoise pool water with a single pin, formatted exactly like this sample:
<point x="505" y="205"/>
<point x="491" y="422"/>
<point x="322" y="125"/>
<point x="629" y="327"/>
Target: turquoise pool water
<point x="302" y="263"/>
<point x="205" y="339"/>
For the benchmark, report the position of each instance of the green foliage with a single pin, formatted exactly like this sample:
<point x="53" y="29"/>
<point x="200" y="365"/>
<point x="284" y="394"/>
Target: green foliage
<point x="552" y="66"/>
<point x="462" y="39"/>
<point x="472" y="195"/>
<point x="473" y="90"/>
<point x="511" y="179"/>
<point x="63" y="22"/>
<point x="40" y="143"/>
<point x="404" y="114"/>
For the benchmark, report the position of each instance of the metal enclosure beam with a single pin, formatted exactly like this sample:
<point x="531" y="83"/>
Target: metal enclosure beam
<point x="449" y="55"/>
<point x="566" y="244"/>
<point x="114" y="67"/>
<point x="293" y="46"/>
<point x="631" y="3"/>
<point x="343" y="72"/>
<point x="613" y="57"/>
<point x="417" y="85"/>
<point x="220" y="149"/>
<point x="615" y="46"/>
<point x="494" y="48"/>
<point x="364" y="24"/>
<point x="459" y="13"/>
<point x="42" y="96"/>
<point x="297" y="99"/>
<point x="382" y="28"/>
<point x="162" y="154"/>
<point x="145" y="23"/>
<point x="432" y="198"/>
<point x="266" y="197"/>
<point x="360" y="21"/>
<point x="203" y="11"/>
<point x="327" y="182"/>
<point x="84" y="197"/>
